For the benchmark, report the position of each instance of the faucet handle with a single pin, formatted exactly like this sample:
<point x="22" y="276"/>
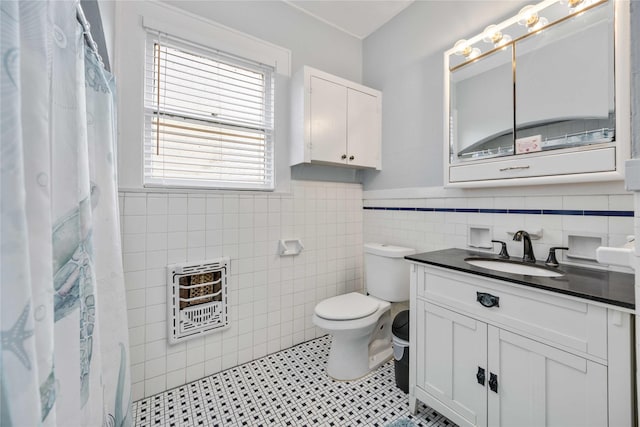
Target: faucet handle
<point x="551" y="259"/>
<point x="503" y="249"/>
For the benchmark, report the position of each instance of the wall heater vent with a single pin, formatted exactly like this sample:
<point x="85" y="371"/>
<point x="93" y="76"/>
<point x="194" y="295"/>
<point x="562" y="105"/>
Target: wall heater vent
<point x="197" y="298"/>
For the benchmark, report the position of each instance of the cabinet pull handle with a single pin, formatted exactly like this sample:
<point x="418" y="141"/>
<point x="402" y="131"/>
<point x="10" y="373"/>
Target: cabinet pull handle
<point x="493" y="382"/>
<point x="487" y="300"/>
<point x="352" y="157"/>
<point x="480" y="376"/>
<point x="344" y="156"/>
<point x="511" y="168"/>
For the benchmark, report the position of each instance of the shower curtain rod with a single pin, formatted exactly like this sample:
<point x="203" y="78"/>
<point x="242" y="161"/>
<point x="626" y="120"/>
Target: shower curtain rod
<point x="86" y="31"/>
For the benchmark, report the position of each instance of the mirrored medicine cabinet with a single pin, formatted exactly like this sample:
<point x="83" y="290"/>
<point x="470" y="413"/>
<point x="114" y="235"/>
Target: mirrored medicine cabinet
<point x="540" y="98"/>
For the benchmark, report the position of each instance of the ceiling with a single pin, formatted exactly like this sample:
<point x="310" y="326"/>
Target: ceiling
<point x="358" y="18"/>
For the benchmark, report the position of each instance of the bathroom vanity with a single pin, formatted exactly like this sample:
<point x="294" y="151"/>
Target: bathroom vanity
<point x="497" y="348"/>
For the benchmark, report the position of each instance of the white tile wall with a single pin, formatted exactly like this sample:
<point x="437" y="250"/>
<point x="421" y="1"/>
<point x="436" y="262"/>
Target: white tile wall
<point x="271" y="297"/>
<point x="428" y="231"/>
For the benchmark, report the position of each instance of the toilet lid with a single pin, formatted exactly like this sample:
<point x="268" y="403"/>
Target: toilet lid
<point x="347" y="307"/>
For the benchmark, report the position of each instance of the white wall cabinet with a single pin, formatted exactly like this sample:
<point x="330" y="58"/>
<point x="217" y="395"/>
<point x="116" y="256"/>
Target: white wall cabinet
<point x="334" y="121"/>
<point x="504" y="366"/>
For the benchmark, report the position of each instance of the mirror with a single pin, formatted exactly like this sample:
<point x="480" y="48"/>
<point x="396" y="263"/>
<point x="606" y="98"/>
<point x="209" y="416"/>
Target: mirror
<point x="564" y="83"/>
<point x="555" y="85"/>
<point x="482" y="107"/>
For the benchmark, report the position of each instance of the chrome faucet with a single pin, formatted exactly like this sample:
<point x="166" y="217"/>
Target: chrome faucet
<point x="528" y="255"/>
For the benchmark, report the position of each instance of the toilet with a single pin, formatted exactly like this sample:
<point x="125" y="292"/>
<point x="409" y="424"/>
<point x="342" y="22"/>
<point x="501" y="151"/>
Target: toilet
<point x="360" y="325"/>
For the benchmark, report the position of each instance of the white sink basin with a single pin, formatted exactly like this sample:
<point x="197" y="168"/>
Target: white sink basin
<point x="514" y="267"/>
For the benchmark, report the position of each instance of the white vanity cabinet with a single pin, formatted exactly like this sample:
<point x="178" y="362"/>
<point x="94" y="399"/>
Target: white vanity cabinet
<point x="334" y="121"/>
<point x="520" y="357"/>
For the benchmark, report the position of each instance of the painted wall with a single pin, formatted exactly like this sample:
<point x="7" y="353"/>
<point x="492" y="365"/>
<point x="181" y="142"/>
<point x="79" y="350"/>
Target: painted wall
<point x="311" y="42"/>
<point x="108" y="14"/>
<point x="635" y="81"/>
<point x="404" y="59"/>
<point x="93" y="12"/>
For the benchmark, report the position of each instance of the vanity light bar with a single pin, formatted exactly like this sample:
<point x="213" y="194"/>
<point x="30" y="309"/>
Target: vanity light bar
<point x="529" y="17"/>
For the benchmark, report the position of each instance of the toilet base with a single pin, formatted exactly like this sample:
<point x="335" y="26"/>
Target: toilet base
<point x="380" y="357"/>
<point x="353" y="357"/>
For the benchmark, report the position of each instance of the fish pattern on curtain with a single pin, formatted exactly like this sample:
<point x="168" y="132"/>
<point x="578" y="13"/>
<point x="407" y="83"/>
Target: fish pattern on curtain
<point x="64" y="341"/>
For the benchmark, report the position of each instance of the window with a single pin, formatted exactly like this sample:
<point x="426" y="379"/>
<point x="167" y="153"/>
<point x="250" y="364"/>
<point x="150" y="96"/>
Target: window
<point x="208" y="118"/>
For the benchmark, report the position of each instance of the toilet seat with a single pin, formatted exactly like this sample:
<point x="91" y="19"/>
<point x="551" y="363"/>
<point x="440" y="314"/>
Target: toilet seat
<point x="349" y="306"/>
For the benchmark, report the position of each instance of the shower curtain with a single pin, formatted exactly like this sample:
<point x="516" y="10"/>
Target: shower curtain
<point x="64" y="343"/>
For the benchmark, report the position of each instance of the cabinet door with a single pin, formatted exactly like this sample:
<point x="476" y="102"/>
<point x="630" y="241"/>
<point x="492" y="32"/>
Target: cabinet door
<point x="539" y="385"/>
<point x="328" y="121"/>
<point x="363" y="129"/>
<point x="451" y="348"/>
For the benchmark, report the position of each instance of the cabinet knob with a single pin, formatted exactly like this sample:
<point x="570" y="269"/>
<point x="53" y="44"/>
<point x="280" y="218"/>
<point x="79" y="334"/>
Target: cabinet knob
<point x="344" y="156"/>
<point x="493" y="382"/>
<point x="352" y="157"/>
<point x="480" y="376"/>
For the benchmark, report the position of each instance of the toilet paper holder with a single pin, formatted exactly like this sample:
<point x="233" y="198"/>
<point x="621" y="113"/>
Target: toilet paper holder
<point x="290" y="247"/>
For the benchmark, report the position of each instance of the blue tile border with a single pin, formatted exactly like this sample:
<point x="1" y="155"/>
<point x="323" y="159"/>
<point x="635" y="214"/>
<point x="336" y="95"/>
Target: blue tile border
<point x="503" y="211"/>
<point x="608" y="213"/>
<point x="574" y="212"/>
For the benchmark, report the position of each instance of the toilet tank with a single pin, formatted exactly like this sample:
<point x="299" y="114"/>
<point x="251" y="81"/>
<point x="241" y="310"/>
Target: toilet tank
<point x="386" y="271"/>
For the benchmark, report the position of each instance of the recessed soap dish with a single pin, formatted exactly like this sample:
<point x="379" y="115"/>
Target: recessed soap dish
<point x="583" y="247"/>
<point x="479" y="237"/>
<point x="290" y="247"/>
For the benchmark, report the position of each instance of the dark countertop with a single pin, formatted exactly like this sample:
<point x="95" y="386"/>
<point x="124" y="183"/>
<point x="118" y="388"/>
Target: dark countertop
<point x="609" y="287"/>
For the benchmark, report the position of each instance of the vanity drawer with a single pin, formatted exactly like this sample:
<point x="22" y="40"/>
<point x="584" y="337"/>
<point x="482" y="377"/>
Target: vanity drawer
<point x="567" y="322"/>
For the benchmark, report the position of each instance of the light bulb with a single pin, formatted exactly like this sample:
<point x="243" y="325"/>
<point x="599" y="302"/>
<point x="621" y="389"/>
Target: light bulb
<point x="541" y="22"/>
<point x="578" y="5"/>
<point x="475" y="52"/>
<point x="462" y="48"/>
<point x="527" y="17"/>
<point x="506" y="38"/>
<point x="530" y="19"/>
<point x="491" y="34"/>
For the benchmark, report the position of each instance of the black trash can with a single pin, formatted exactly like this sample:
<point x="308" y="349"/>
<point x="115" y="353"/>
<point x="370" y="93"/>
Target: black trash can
<point x="400" y="342"/>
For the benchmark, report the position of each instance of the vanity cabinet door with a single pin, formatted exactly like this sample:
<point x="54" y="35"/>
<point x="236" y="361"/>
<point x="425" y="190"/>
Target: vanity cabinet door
<point x="451" y="356"/>
<point x="538" y="385"/>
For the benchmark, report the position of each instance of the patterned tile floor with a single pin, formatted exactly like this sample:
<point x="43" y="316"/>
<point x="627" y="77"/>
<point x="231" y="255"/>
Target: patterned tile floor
<point x="288" y="388"/>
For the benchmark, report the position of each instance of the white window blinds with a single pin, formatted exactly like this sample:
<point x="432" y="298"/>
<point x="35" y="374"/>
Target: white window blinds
<point x="208" y="118"/>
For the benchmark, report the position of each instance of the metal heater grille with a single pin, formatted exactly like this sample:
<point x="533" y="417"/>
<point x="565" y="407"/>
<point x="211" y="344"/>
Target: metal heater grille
<point x="197" y="299"/>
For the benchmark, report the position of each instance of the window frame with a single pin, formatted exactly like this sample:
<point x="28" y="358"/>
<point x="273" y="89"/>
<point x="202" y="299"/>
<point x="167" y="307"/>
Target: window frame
<point x="266" y="128"/>
<point x="133" y="19"/>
